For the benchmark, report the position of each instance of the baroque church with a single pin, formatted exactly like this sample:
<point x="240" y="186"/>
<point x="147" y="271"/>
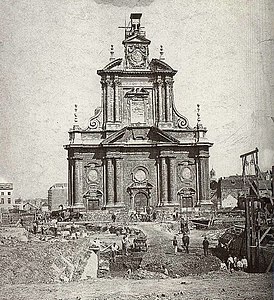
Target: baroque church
<point x="137" y="149"/>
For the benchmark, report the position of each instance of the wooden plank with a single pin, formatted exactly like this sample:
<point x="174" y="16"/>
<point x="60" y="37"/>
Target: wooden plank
<point x="264" y="235"/>
<point x="270" y="265"/>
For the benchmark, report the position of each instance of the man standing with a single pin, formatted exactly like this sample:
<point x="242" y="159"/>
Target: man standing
<point x="185" y="241"/>
<point x="175" y="244"/>
<point x="114" y="249"/>
<point x="113" y="217"/>
<point x="245" y="264"/>
<point x="205" y="246"/>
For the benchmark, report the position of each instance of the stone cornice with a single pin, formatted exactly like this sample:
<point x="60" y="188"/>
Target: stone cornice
<point x="135" y="72"/>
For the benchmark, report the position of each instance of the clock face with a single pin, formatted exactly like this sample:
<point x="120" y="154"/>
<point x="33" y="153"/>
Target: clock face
<point x="136" y="58"/>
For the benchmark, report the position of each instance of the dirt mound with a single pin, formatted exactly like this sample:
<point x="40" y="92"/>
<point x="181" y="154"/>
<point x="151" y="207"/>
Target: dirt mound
<point x="36" y="261"/>
<point x="180" y="264"/>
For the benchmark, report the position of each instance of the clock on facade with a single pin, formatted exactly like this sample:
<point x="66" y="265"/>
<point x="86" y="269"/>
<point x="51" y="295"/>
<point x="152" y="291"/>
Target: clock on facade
<point x="136" y="58"/>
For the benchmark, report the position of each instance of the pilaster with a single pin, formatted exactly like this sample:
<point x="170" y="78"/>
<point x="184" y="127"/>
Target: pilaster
<point x="78" y="181"/>
<point x="160" y="98"/>
<point x="164" y="181"/>
<point x="119" y="181"/>
<point x="117" y="116"/>
<point x="110" y="181"/>
<point x="109" y="100"/>
<point x="173" y="181"/>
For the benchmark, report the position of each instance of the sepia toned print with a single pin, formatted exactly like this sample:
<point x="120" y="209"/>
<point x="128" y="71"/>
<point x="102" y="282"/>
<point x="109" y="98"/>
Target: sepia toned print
<point x="163" y="186"/>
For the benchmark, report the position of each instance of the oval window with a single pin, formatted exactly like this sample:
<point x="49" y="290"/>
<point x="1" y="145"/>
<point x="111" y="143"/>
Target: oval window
<point x="140" y="175"/>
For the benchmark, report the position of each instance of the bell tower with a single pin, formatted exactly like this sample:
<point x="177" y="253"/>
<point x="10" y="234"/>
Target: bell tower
<point x="136" y="44"/>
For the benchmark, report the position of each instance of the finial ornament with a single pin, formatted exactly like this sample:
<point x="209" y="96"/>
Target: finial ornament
<point x="111" y="53"/>
<point x="198" y="115"/>
<point x="162" y="53"/>
<point x="75" y="114"/>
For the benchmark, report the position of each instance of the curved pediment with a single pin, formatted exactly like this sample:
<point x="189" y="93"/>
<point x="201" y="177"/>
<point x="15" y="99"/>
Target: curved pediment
<point x="160" y="66"/>
<point x="113" y="64"/>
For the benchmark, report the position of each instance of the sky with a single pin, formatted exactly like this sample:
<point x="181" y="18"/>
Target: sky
<point x="50" y="51"/>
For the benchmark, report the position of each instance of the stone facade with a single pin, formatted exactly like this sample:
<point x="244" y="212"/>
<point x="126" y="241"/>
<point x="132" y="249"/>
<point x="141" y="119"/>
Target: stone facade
<point x="137" y="150"/>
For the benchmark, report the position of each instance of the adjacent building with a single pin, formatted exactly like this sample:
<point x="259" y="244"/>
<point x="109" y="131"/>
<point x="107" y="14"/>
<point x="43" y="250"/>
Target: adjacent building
<point x="57" y="195"/>
<point x="6" y="197"/>
<point x="137" y="150"/>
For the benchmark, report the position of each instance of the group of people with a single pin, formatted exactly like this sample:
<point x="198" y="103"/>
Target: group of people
<point x="185" y="244"/>
<point x="235" y="264"/>
<point x="147" y="214"/>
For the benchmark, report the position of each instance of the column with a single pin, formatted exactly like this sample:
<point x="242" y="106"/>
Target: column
<point x="173" y="180"/>
<point x="110" y="182"/>
<point x="198" y="176"/>
<point x="119" y="180"/>
<point x="164" y="187"/>
<point x="78" y="182"/>
<point x="70" y="182"/>
<point x="204" y="177"/>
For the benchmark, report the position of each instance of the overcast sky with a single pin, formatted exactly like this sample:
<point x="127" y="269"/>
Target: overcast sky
<point x="50" y="51"/>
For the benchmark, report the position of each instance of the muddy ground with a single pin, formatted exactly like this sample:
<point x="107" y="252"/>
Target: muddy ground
<point x="210" y="286"/>
<point x="28" y="271"/>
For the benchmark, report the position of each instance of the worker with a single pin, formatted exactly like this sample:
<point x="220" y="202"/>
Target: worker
<point x="223" y="266"/>
<point x="42" y="229"/>
<point x="185" y="240"/>
<point x="239" y="265"/>
<point x="182" y="225"/>
<point x="35" y="226"/>
<point x="55" y="226"/>
<point x="114" y="249"/>
<point x="230" y="263"/>
<point x="245" y="264"/>
<point x="175" y="244"/>
<point x="125" y="245"/>
<point x="73" y="231"/>
<point x="113" y="217"/>
<point x="205" y="246"/>
<point x="235" y="260"/>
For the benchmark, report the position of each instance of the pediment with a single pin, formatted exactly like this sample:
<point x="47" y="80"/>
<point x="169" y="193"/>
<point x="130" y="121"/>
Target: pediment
<point x="136" y="39"/>
<point x="113" y="65"/>
<point x="159" y="65"/>
<point x="140" y="135"/>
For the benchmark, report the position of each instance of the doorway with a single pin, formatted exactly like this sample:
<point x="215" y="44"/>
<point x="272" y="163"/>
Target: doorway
<point x="140" y="201"/>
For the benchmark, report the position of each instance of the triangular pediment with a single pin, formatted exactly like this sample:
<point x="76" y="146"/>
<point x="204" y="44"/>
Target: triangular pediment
<point x="159" y="65"/>
<point x="136" y="39"/>
<point x="140" y="135"/>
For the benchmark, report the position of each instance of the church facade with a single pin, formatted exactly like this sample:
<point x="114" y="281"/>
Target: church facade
<point x="137" y="149"/>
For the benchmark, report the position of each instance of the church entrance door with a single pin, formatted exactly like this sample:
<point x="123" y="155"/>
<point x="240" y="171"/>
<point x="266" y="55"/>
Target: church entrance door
<point x="140" y="201"/>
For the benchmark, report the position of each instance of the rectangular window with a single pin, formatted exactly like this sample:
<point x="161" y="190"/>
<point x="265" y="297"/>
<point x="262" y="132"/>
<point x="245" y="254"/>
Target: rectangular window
<point x="9" y="193"/>
<point x="2" y="201"/>
<point x="9" y="200"/>
<point x="2" y="193"/>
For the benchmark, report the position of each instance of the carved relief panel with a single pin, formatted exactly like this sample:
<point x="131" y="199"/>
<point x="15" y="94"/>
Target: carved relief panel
<point x="136" y="56"/>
